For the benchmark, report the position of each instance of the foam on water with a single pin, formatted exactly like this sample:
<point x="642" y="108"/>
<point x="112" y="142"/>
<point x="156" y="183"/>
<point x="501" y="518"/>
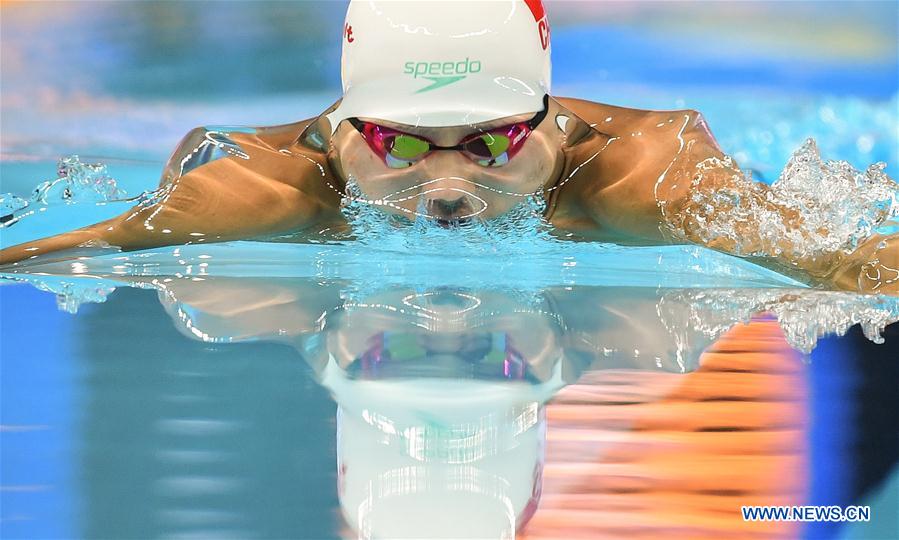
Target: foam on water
<point x="803" y="315"/>
<point x="76" y="182"/>
<point x="816" y="208"/>
<point x="522" y="228"/>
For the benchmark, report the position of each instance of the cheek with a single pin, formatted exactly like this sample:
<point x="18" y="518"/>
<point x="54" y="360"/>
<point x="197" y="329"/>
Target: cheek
<point x="524" y="179"/>
<point x="543" y="154"/>
<point x="376" y="181"/>
<point x="525" y="173"/>
<point x="369" y="172"/>
<point x="359" y="162"/>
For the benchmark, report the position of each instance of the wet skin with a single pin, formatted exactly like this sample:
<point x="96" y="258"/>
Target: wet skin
<point x="608" y="173"/>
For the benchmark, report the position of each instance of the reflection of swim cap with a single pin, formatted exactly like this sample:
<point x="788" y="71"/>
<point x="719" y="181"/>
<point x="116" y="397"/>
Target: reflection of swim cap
<point x="436" y="457"/>
<point x="443" y="62"/>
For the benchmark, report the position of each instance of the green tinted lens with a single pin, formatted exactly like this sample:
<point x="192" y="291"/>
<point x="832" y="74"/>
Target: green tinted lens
<point x="489" y="145"/>
<point x="403" y="346"/>
<point x="408" y="147"/>
<point x="498" y="144"/>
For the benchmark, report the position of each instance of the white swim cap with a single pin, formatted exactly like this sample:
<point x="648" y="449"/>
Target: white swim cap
<point x="441" y="63"/>
<point x="439" y="458"/>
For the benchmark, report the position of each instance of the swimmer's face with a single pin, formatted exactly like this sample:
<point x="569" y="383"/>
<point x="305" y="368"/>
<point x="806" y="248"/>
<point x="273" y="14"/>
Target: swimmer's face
<point x="451" y="185"/>
<point x="452" y="329"/>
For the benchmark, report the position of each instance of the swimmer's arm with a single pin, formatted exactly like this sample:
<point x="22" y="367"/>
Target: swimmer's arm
<point x="683" y="185"/>
<point x="873" y="267"/>
<point x="219" y="201"/>
<point x="244" y="309"/>
<point x="754" y="223"/>
<point x="195" y="147"/>
<point x="649" y="156"/>
<point x="630" y="327"/>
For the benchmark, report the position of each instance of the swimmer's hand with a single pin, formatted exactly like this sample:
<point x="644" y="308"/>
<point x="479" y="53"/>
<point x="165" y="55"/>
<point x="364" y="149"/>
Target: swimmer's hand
<point x="872" y="268"/>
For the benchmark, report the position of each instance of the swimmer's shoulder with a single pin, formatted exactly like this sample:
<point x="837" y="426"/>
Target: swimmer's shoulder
<point x="205" y="144"/>
<point x="283" y="135"/>
<point x="308" y="137"/>
<point x="616" y="121"/>
<point x="310" y="134"/>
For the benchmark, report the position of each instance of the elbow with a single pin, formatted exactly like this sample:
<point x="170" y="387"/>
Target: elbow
<point x="185" y="155"/>
<point x="191" y="137"/>
<point x="698" y="129"/>
<point x="695" y="120"/>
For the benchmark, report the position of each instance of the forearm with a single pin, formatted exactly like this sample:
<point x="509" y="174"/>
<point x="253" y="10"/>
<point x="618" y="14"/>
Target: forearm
<point x="116" y="233"/>
<point x="31" y="250"/>
<point x="720" y="208"/>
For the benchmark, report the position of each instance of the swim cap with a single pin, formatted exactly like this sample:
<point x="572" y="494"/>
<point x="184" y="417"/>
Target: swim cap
<point x="443" y="62"/>
<point x="439" y="458"/>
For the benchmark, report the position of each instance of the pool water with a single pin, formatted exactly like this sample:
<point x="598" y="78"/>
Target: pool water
<point x="521" y="387"/>
<point x="282" y="391"/>
<point x="284" y="403"/>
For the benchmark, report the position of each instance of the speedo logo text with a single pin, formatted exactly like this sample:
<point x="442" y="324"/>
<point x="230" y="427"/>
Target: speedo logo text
<point x="441" y="73"/>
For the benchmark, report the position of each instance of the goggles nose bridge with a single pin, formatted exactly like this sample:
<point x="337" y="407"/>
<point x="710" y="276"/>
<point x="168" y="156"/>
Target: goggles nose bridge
<point x="441" y="160"/>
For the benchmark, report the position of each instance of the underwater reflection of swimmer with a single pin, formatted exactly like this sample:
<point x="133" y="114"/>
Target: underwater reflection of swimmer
<point x="445" y="453"/>
<point x="441" y="423"/>
<point x="604" y="326"/>
<point x="440" y="393"/>
<point x="462" y="131"/>
<point x="622" y="446"/>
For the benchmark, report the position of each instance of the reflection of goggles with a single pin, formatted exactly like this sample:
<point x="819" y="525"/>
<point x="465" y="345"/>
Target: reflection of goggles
<point x="400" y="355"/>
<point x="491" y="148"/>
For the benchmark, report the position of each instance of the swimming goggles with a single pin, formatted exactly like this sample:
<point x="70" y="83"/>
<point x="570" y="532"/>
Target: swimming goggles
<point x="489" y="148"/>
<point x="397" y="355"/>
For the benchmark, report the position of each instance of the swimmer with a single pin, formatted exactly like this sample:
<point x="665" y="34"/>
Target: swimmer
<point x="447" y="115"/>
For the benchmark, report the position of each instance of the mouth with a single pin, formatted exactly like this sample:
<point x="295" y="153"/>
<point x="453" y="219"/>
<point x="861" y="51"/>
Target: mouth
<point x="450" y="213"/>
<point x="451" y="223"/>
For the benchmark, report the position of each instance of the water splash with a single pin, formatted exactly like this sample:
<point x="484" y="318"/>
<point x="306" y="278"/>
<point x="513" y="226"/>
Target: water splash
<point x="9" y="205"/>
<point x="71" y="294"/>
<point x="522" y="228"/>
<point x="858" y="130"/>
<point x="76" y="182"/>
<point x="815" y="209"/>
<point x="804" y="315"/>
